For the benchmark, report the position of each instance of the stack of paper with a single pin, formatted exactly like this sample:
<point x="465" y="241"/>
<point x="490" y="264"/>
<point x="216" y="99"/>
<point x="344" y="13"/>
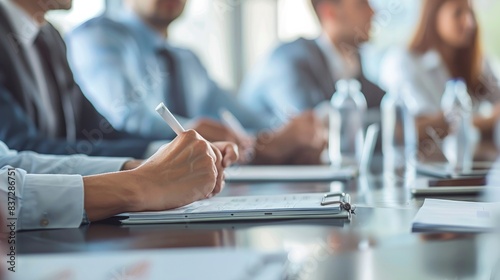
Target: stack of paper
<point x="157" y="264"/>
<point x="456" y="216"/>
<point x="291" y="206"/>
<point x="290" y="173"/>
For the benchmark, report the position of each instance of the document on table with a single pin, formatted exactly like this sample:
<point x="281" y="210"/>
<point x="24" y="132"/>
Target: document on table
<point x="443" y="169"/>
<point x="291" y="206"/>
<point x="456" y="216"/>
<point x="155" y="264"/>
<point x="421" y="186"/>
<point x="290" y="173"/>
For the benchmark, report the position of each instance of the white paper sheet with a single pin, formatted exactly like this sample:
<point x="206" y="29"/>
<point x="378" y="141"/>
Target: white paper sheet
<point x="245" y="208"/>
<point x="290" y="173"/>
<point x="154" y="264"/>
<point x="421" y="187"/>
<point x="461" y="216"/>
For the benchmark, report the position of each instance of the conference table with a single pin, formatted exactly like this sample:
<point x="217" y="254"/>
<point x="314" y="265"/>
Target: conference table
<point x="377" y="243"/>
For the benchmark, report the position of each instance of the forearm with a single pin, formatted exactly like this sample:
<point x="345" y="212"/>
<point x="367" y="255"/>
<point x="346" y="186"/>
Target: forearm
<point x="440" y="127"/>
<point x="305" y="131"/>
<point x="270" y="151"/>
<point x="131" y="164"/>
<point x="485" y="125"/>
<point x="433" y="122"/>
<point x="110" y="194"/>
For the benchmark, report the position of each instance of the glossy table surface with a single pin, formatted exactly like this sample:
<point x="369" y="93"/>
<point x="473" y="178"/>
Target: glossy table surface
<point x="377" y="243"/>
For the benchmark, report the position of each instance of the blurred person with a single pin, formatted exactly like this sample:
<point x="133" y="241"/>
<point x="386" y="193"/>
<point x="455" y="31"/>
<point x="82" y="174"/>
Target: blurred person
<point x="126" y="65"/>
<point x="41" y="107"/>
<point x="299" y="75"/>
<point x="48" y="195"/>
<point x="445" y="46"/>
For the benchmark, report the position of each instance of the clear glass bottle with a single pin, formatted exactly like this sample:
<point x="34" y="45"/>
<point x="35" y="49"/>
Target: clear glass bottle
<point x="458" y="145"/>
<point x="399" y="137"/>
<point x="347" y="123"/>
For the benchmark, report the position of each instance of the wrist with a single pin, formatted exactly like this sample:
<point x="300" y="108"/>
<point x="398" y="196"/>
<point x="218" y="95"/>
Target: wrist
<point x="132" y="191"/>
<point x="131" y="164"/>
<point x="110" y="194"/>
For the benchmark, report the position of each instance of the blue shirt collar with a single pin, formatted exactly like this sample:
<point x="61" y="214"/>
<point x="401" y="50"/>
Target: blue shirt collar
<point x="147" y="35"/>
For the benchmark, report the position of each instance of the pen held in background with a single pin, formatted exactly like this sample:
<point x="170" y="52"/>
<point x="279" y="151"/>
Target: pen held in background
<point x="247" y="152"/>
<point x="232" y="122"/>
<point x="169" y="118"/>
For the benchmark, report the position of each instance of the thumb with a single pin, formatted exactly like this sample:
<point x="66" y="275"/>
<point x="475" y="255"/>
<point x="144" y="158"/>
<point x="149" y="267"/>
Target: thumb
<point x="229" y="152"/>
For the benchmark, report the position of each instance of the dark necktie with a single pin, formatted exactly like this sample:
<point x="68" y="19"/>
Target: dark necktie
<point x="42" y="44"/>
<point x="174" y="95"/>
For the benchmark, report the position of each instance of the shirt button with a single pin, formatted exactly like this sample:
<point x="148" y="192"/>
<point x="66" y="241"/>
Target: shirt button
<point x="44" y="222"/>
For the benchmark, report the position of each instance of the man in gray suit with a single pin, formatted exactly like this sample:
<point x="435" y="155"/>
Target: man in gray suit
<point x="300" y="75"/>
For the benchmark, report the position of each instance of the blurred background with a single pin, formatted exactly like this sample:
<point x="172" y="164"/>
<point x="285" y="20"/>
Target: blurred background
<point x="231" y="36"/>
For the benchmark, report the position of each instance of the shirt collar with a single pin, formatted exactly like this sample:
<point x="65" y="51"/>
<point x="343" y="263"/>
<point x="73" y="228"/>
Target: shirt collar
<point x="431" y="60"/>
<point x="25" y="28"/>
<point x="146" y="33"/>
<point x="329" y="51"/>
<point x="334" y="59"/>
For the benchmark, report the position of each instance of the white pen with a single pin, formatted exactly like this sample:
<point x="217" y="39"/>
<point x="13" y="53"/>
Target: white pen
<point x="232" y="122"/>
<point x="169" y="118"/>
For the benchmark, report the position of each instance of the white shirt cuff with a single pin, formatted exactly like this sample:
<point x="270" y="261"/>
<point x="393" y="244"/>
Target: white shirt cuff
<point x="51" y="201"/>
<point x="154" y="147"/>
<point x="99" y="165"/>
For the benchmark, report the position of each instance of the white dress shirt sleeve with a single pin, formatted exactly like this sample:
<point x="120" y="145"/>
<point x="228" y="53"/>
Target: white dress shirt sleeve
<point x="51" y="164"/>
<point x="41" y="201"/>
<point x="154" y="147"/>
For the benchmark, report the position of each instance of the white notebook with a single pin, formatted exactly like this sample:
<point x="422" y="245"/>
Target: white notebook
<point x="291" y="206"/>
<point x="443" y="170"/>
<point x="456" y="216"/>
<point x="290" y="173"/>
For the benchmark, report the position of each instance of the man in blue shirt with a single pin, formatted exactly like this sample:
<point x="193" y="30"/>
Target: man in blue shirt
<point x="126" y="67"/>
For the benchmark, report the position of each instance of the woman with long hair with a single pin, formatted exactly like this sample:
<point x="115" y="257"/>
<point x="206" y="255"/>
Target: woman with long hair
<point x="445" y="46"/>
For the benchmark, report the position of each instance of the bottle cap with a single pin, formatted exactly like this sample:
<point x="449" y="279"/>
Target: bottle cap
<point x="342" y="85"/>
<point x="354" y="85"/>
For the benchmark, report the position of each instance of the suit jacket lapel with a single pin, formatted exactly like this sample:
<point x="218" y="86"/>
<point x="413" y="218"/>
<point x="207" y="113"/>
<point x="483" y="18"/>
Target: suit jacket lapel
<point x="11" y="42"/>
<point x="22" y="83"/>
<point x="65" y="83"/>
<point x="324" y="77"/>
<point x="372" y="92"/>
<point x="15" y="61"/>
<point x="320" y="69"/>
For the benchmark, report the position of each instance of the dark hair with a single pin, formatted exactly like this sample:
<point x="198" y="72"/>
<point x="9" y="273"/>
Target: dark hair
<point x="467" y="64"/>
